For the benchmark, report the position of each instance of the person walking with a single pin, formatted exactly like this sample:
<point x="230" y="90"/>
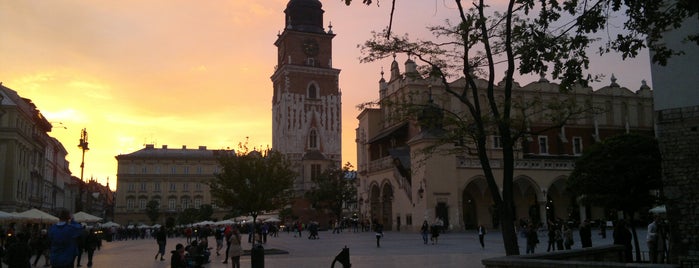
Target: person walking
<point x="227" y="233"/>
<point x="551" y="234"/>
<point x="622" y="236"/>
<point x="424" y="230"/>
<point x="218" y="236"/>
<point x="64" y="237"/>
<point x="91" y="244"/>
<point x="585" y="234"/>
<point x="161" y="239"/>
<point x="41" y="246"/>
<point x="236" y="250"/>
<point x="435" y="228"/>
<point x="481" y="235"/>
<point x="379" y="233"/>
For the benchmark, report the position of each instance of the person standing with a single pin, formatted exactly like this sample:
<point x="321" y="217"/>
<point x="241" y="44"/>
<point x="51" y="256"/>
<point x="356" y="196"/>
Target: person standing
<point x="177" y="259"/>
<point x="236" y="250"/>
<point x="64" y="237"/>
<point x="652" y="240"/>
<point x="481" y="235"/>
<point x="161" y="239"/>
<point x="218" y="236"/>
<point x="568" y="236"/>
<point x="424" y="230"/>
<point x="585" y="234"/>
<point x="622" y="236"/>
<point x="379" y="233"/>
<point x="532" y="238"/>
<point x="18" y="252"/>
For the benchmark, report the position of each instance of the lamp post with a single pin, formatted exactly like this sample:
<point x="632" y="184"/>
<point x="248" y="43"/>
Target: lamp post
<point x="83" y="145"/>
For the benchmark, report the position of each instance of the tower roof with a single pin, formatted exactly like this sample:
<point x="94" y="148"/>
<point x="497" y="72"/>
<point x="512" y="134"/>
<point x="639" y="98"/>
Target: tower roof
<point x="304" y="15"/>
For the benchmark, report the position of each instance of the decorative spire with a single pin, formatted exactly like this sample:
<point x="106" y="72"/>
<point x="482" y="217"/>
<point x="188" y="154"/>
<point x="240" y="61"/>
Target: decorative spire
<point x="330" y="28"/>
<point x="542" y="78"/>
<point x="613" y="84"/>
<point x="644" y="85"/>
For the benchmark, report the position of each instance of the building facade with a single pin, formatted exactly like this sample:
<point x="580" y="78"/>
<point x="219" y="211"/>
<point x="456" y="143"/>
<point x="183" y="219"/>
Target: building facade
<point x="306" y="103"/>
<point x="677" y="114"/>
<point x="177" y="178"/>
<point x="400" y="185"/>
<point x="33" y="170"/>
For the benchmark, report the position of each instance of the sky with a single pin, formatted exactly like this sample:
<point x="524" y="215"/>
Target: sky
<point x="193" y="73"/>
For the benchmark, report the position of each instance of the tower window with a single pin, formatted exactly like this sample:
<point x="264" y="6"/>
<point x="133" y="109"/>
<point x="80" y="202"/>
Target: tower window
<point x="312" y="91"/>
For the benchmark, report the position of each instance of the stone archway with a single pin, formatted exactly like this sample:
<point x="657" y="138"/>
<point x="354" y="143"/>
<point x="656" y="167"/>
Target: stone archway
<point x="525" y="195"/>
<point x="558" y="203"/>
<point x="477" y="205"/>
<point x="387" y="206"/>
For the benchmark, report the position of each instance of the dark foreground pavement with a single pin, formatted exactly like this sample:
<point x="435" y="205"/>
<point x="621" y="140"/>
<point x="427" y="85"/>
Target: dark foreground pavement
<point x="398" y="249"/>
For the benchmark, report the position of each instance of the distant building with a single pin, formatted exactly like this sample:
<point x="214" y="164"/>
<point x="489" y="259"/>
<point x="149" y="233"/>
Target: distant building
<point x="177" y="178"/>
<point x="400" y="186"/>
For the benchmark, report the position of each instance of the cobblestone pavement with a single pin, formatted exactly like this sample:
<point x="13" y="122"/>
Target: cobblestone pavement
<point x="398" y="249"/>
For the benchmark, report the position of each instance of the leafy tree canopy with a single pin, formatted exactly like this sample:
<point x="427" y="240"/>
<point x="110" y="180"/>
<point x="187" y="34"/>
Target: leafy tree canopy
<point x="153" y="211"/>
<point x="619" y="173"/>
<point x="332" y="190"/>
<point x="252" y="182"/>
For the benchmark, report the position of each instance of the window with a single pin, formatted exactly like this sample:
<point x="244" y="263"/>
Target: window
<point x="497" y="143"/>
<point x="131" y="187"/>
<point x="543" y="145"/>
<point x="144" y="170"/>
<point x="142" y="203"/>
<point x="185" y="203"/>
<point x="197" y="186"/>
<point x="130" y="203"/>
<point x="172" y="204"/>
<point x="185" y="187"/>
<point x="186" y="170"/>
<point x="200" y="170"/>
<point x="173" y="187"/>
<point x="156" y="187"/>
<point x="143" y="187"/>
<point x="577" y="145"/>
<point x="312" y="91"/>
<point x="315" y="170"/>
<point x="313" y="139"/>
<point x="173" y="170"/>
<point x="197" y="203"/>
<point x="157" y="170"/>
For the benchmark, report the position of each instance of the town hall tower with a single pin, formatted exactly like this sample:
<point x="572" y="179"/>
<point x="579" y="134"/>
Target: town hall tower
<point x="306" y="104"/>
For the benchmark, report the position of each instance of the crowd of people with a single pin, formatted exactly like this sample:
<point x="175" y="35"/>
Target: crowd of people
<point x="65" y="243"/>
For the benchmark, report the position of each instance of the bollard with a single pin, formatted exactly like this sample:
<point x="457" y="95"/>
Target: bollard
<point x="257" y="256"/>
<point x="343" y="258"/>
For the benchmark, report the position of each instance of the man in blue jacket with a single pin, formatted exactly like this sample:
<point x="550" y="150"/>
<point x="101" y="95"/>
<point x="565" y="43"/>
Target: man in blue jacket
<point x="64" y="237"/>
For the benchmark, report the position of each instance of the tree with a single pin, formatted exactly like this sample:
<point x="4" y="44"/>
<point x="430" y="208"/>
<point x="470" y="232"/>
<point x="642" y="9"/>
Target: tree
<point x="205" y="212"/>
<point x="188" y="216"/>
<point x="332" y="190"/>
<point x="253" y="182"/>
<point x="620" y="172"/>
<point x="153" y="211"/>
<point x="532" y="37"/>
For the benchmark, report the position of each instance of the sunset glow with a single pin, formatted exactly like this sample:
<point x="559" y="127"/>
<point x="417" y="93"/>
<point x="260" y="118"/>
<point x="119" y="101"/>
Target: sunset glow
<point x="194" y="73"/>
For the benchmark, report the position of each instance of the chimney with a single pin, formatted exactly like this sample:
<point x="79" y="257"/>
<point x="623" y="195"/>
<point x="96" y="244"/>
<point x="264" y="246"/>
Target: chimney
<point x="202" y="148"/>
<point x="165" y="146"/>
<point x="184" y="147"/>
<point x="150" y="146"/>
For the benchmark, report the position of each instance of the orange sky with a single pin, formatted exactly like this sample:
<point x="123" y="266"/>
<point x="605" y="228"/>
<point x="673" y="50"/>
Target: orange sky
<point x="181" y="72"/>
